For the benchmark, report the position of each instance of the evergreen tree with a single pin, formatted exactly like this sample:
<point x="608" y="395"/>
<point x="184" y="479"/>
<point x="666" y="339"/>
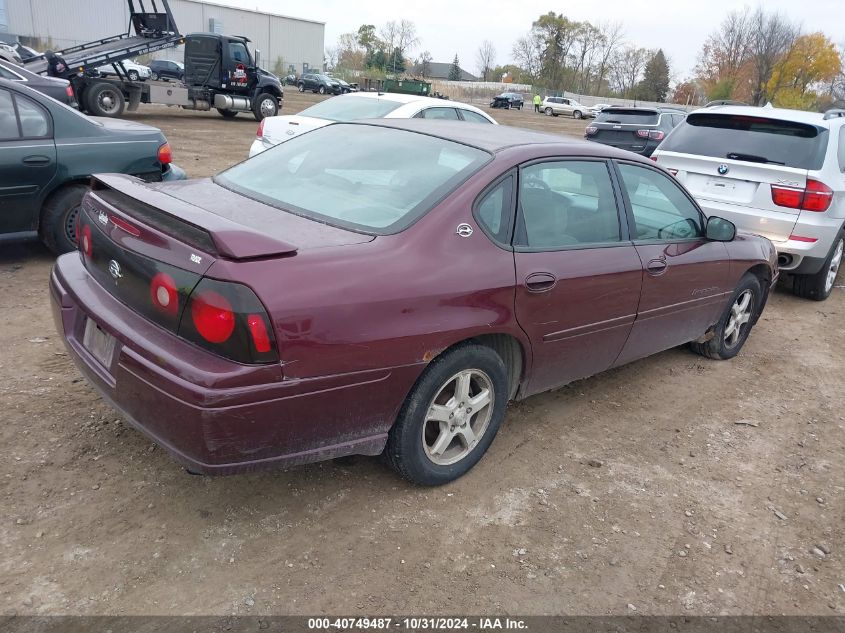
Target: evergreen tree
<point x="455" y="70"/>
<point x="655" y="83"/>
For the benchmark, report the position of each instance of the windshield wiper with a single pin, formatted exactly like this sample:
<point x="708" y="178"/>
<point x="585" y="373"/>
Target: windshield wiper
<point x="752" y="158"/>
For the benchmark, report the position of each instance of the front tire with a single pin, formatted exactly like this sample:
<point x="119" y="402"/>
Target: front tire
<point x="132" y="75"/>
<point x="58" y="218"/>
<point x="265" y="105"/>
<point x="321" y="90"/>
<point x="451" y="416"/>
<point x="154" y="76"/>
<point x="577" y="114"/>
<point x="819" y="286"/>
<point x="733" y="328"/>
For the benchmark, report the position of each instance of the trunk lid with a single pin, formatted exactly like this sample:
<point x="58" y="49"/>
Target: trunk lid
<point x="618" y="127"/>
<point x="281" y="128"/>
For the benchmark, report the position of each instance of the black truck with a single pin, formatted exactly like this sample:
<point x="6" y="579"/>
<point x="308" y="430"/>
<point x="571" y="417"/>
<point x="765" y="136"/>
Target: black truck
<point x="220" y="70"/>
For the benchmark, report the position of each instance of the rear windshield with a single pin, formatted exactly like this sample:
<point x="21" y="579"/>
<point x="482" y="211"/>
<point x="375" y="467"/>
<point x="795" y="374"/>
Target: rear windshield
<point x="361" y="177"/>
<point x="351" y="109"/>
<point x="618" y="115"/>
<point x="750" y="138"/>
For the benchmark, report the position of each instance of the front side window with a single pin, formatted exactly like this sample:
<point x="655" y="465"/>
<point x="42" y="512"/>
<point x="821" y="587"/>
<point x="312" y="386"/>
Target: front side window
<point x="238" y="52"/>
<point x="661" y="209"/>
<point x="358" y="176"/>
<point x="565" y="204"/>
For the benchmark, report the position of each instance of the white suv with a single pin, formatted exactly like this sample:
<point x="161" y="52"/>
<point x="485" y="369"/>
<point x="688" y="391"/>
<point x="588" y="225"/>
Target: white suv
<point x="554" y="106"/>
<point x="774" y="172"/>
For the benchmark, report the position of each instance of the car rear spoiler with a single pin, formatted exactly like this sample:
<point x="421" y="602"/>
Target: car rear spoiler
<point x="187" y="222"/>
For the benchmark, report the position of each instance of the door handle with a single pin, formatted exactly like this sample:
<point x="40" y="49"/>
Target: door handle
<point x="540" y="282"/>
<point x="36" y="160"/>
<point x="656" y="267"/>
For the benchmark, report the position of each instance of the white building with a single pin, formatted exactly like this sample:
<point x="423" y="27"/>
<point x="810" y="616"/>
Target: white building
<point x="296" y="42"/>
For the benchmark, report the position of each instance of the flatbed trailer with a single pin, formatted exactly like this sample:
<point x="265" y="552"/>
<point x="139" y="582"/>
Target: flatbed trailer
<point x="220" y="73"/>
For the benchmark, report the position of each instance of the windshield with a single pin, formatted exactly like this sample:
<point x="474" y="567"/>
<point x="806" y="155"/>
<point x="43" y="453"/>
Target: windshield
<point x="617" y="115"/>
<point x="351" y="109"/>
<point x="358" y="176"/>
<point x="753" y="139"/>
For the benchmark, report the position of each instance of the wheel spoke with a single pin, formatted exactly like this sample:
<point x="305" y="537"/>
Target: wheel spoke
<point x="467" y="435"/>
<point x="743" y="302"/>
<point x="439" y="413"/>
<point x="443" y="441"/>
<point x="462" y="384"/>
<point x="479" y="401"/>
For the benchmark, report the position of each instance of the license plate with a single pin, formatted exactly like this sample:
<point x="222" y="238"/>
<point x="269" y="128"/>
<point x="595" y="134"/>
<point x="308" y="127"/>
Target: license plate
<point x="721" y="185"/>
<point x="98" y="342"/>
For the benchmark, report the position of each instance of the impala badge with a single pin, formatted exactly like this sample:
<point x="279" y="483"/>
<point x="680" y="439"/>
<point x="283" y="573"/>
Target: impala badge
<point x="114" y="270"/>
<point x="464" y="230"/>
<point x="723" y="169"/>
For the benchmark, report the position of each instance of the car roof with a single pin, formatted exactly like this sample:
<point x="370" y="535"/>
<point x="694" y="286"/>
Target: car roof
<point x="784" y="114"/>
<point x="496" y="138"/>
<point x="401" y="98"/>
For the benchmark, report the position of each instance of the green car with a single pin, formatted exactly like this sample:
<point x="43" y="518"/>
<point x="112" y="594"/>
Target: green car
<point x="48" y="152"/>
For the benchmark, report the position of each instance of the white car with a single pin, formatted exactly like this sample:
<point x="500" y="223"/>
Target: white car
<point x="593" y="111"/>
<point x="134" y="71"/>
<point x="555" y="106"/>
<point x="362" y="105"/>
<point x="774" y="172"/>
<point x="9" y="54"/>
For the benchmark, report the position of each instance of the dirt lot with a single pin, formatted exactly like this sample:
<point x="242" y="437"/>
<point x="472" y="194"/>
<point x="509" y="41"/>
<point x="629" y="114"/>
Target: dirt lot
<point x="685" y="511"/>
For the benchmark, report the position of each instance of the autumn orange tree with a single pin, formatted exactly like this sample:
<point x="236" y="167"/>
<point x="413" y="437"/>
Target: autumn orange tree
<point x="812" y="61"/>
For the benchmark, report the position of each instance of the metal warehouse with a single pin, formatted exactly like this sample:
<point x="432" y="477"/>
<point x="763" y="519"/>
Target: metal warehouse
<point x="286" y="43"/>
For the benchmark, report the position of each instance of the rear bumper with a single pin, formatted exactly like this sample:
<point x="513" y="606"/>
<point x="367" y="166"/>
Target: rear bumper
<point x="212" y="415"/>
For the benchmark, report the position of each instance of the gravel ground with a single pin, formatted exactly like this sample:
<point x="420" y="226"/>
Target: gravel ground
<point x="674" y="485"/>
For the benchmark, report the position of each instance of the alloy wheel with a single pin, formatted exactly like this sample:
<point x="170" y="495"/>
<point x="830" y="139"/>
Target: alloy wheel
<point x="833" y="270"/>
<point x="739" y="317"/>
<point x="458" y="417"/>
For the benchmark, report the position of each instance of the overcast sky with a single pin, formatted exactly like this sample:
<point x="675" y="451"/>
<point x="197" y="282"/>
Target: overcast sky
<point x="446" y="27"/>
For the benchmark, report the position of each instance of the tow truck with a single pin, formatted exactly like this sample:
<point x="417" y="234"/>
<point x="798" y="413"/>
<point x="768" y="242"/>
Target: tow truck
<point x="220" y="70"/>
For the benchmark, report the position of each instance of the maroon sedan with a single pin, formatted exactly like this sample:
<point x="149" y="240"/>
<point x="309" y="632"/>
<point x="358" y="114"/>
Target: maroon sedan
<point x="387" y="287"/>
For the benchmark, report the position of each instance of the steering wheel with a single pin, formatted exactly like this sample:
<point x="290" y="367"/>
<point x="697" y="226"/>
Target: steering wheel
<point x="535" y="182"/>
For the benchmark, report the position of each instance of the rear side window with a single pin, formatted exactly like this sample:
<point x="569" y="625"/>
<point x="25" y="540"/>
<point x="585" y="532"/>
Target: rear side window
<point x="8" y="120"/>
<point x="753" y="139"/>
<point x="34" y="122"/>
<point x="619" y="115"/>
<point x="473" y="117"/>
<point x="448" y="114"/>
<point x="493" y="211"/>
<point x="8" y="74"/>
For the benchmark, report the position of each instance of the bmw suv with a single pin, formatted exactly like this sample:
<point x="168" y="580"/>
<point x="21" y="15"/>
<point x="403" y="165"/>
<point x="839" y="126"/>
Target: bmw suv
<point x="774" y="172"/>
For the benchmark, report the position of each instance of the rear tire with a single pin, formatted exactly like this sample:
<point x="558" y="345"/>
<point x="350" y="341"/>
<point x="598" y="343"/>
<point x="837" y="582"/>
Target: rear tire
<point x="227" y="114"/>
<point x="58" y="218"/>
<point x="819" y="286"/>
<point x="739" y="317"/>
<point x="105" y="99"/>
<point x="301" y="87"/>
<point x="549" y="111"/>
<point x="154" y="76"/>
<point x="577" y="114"/>
<point x="437" y="436"/>
<point x="132" y="75"/>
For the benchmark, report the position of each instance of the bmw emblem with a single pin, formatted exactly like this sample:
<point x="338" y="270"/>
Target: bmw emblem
<point x="723" y="169"/>
<point x="114" y="270"/>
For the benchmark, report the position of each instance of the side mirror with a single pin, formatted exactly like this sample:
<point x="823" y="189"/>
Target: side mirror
<point x="257" y="57"/>
<point x="720" y="229"/>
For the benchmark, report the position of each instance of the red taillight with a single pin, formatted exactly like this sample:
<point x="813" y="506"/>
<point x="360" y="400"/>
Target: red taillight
<point x="260" y="132"/>
<point x="258" y="330"/>
<point x="591" y="130"/>
<point x="164" y="294"/>
<point x="165" y="154"/>
<point x="674" y="172"/>
<point x="69" y="92"/>
<point x="653" y="157"/>
<point x="213" y="316"/>
<point x="656" y="135"/>
<point x="817" y="196"/>
<point x="85" y="241"/>
<point x="801" y="238"/>
<point x="642" y="133"/>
